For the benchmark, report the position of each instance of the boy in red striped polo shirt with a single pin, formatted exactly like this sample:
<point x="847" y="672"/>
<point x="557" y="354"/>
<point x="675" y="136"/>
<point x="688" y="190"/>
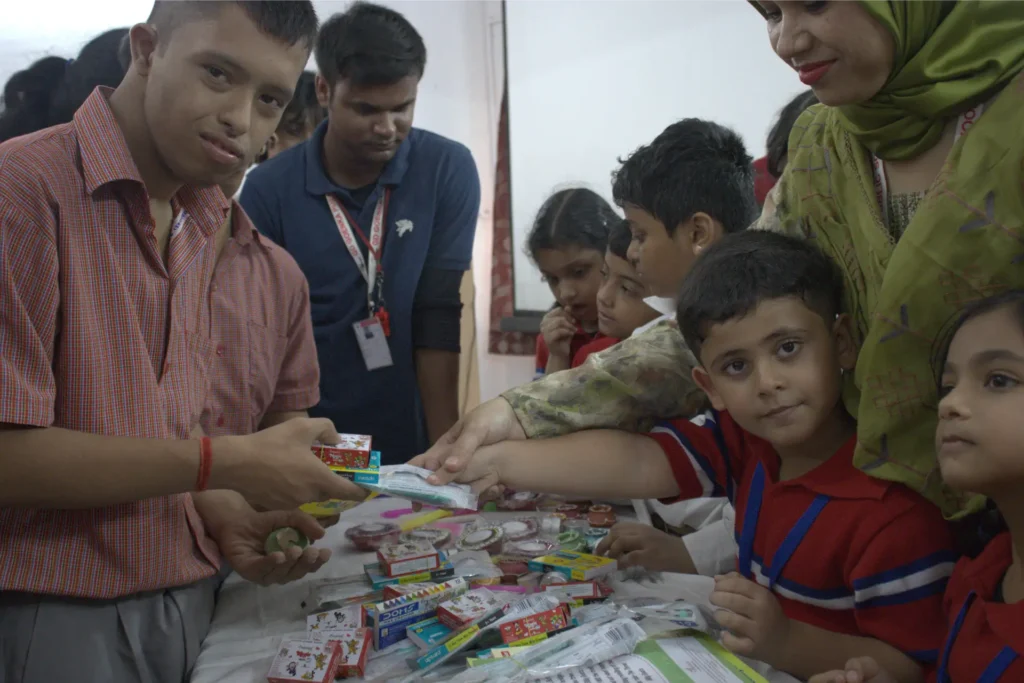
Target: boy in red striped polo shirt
<point x="832" y="563"/>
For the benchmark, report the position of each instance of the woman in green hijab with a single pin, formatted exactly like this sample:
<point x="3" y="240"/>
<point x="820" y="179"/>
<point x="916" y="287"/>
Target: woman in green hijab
<point x="910" y="174"/>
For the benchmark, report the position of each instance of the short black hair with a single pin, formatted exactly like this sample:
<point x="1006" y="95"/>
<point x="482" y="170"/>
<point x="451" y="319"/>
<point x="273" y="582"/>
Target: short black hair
<point x="574" y="217"/>
<point x="51" y="90"/>
<point x="369" y="45"/>
<point x="619" y="239"/>
<point x="304" y="109"/>
<point x="744" y="269"/>
<point x="1012" y="299"/>
<point x="692" y="166"/>
<point x="778" y="137"/>
<point x="292" y="22"/>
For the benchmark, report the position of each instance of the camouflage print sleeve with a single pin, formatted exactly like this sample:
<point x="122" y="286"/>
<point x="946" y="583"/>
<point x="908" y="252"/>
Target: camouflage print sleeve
<point x="628" y="386"/>
<point x="776" y="216"/>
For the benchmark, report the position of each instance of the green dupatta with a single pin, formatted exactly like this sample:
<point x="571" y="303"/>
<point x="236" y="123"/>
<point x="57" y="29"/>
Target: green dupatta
<point x="966" y="240"/>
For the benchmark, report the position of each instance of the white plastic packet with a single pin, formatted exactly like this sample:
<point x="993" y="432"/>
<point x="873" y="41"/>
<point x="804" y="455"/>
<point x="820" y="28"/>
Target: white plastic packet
<point x="406" y="481"/>
<point x="587" y="645"/>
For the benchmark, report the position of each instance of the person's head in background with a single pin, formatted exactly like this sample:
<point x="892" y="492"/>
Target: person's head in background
<point x="301" y="117"/>
<point x="51" y="90"/>
<point x="761" y="312"/>
<point x="207" y="85"/>
<point x="567" y="242"/>
<point x="620" y="299"/>
<point x="778" y="137"/>
<point x="680" y="193"/>
<point x="839" y="49"/>
<point x="370" y="61"/>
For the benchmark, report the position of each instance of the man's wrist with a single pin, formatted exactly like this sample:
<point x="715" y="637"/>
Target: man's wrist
<point x="219" y="508"/>
<point x="226" y="453"/>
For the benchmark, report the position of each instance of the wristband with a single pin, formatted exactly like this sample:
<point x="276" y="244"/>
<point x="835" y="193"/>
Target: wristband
<point x="205" y="463"/>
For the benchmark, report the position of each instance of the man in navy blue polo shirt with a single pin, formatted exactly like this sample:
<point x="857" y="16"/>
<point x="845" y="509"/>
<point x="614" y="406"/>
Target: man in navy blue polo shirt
<point x="380" y="217"/>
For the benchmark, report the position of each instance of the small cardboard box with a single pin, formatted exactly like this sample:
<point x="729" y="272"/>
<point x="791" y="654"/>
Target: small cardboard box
<point x="428" y="633"/>
<point x="465" y="609"/>
<point x="351" y="452"/>
<point x="379" y="580"/>
<point x="576" y="593"/>
<point x="346" y="618"/>
<point x="408" y="557"/>
<point x="390" y="619"/>
<point x="524" y="628"/>
<point x="305" y="660"/>
<point x="574" y="565"/>
<point x="354" y="649"/>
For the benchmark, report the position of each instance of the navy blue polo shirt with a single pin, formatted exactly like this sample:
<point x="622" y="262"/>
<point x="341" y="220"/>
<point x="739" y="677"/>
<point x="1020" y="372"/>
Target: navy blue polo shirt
<point x="435" y="199"/>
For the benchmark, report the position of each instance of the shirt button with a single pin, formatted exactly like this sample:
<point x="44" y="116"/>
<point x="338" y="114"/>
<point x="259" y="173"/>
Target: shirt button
<point x="220" y="349"/>
<point x="220" y="421"/>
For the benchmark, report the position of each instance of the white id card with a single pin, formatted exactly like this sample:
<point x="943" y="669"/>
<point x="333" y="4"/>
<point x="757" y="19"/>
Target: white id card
<point x="373" y="343"/>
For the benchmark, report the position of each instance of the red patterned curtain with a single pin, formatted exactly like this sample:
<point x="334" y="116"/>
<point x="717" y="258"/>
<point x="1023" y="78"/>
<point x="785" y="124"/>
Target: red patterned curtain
<point x="502" y="304"/>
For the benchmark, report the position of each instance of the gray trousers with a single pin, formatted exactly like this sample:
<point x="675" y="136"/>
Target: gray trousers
<point x="147" y="638"/>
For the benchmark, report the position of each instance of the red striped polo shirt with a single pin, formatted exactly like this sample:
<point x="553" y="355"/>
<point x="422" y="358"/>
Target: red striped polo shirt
<point x="873" y="562"/>
<point x="98" y="336"/>
<point x="985" y="642"/>
<point x="265" y="355"/>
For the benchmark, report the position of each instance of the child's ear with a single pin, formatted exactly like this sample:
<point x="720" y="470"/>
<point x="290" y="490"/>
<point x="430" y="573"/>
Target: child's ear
<point x="704" y="231"/>
<point x="846" y="348"/>
<point x="703" y="380"/>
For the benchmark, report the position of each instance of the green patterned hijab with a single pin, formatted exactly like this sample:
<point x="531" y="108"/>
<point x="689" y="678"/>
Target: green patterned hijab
<point x="965" y="240"/>
<point x="949" y="57"/>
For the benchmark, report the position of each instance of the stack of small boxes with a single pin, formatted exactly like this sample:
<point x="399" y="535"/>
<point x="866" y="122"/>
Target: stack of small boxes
<point x="353" y="458"/>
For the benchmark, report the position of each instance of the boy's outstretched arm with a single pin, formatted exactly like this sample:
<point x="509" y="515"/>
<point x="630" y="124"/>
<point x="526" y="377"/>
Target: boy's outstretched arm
<point x="593" y="464"/>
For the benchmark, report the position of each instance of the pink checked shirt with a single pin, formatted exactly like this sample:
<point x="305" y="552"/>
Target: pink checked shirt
<point x="97" y="336"/>
<point x="260" y="323"/>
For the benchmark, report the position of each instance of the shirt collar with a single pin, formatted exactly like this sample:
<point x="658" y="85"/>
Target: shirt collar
<point x="662" y="304"/>
<point x="107" y="159"/>
<point x="242" y="229"/>
<point x="319" y="183"/>
<point x="982" y="576"/>
<point x="838" y="478"/>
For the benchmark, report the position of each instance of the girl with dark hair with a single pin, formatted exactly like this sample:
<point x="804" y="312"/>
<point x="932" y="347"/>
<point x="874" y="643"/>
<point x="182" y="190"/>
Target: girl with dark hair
<point x="50" y="91"/>
<point x="980" y="371"/>
<point x="567" y="242"/>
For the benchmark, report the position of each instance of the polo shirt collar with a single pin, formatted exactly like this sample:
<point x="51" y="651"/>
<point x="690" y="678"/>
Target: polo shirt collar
<point x="982" y="575"/>
<point x="837" y="477"/>
<point x="319" y="183"/>
<point x="107" y="159"/>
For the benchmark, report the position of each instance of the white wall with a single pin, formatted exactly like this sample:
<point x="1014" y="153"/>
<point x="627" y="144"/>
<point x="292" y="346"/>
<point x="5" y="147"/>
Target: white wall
<point x="459" y="97"/>
<point x="590" y="81"/>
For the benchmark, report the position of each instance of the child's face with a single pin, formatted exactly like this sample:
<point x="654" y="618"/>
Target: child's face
<point x="574" y="276"/>
<point x="215" y="90"/>
<point x="620" y="299"/>
<point x="661" y="261"/>
<point x="980" y="434"/>
<point x="777" y="370"/>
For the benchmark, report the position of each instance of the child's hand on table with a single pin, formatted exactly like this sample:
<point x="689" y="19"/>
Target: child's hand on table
<point x="640" y="545"/>
<point x="755" y="623"/>
<point x="859" y="670"/>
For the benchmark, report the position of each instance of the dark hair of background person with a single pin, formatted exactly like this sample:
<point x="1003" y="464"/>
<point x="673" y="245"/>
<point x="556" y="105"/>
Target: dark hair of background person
<point x="574" y="217"/>
<point x="369" y="45"/>
<point x="51" y="90"/>
<point x="692" y="166"/>
<point x="619" y="239"/>
<point x="303" y="113"/>
<point x="778" y="136"/>
<point x="292" y="22"/>
<point x="742" y="270"/>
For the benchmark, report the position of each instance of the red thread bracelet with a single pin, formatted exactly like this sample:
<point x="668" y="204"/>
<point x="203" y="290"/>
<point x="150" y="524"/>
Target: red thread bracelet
<point x="205" y="463"/>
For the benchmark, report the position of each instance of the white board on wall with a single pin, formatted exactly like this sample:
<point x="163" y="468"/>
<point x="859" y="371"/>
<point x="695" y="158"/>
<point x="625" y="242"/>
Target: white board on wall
<point x="590" y="80"/>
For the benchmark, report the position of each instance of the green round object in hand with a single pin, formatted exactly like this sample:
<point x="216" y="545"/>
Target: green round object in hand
<point x="281" y="539"/>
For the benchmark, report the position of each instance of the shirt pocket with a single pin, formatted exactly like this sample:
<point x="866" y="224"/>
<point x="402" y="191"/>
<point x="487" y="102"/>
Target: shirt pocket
<point x="267" y="347"/>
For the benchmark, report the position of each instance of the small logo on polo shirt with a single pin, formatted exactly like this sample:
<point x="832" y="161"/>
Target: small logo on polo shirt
<point x="403" y="226"/>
